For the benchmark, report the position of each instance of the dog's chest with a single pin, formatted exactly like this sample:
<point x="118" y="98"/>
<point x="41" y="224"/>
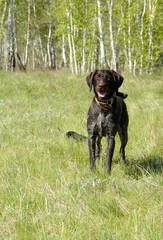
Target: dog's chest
<point x="102" y="123"/>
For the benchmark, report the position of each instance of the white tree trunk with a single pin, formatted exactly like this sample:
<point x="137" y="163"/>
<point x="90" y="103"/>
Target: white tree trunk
<point x="3" y="16"/>
<point x="84" y="42"/>
<point x="69" y="41"/>
<point x="53" y="54"/>
<point x="33" y="55"/>
<point x="48" y="46"/>
<point x="141" y="37"/>
<point x="113" y="61"/>
<point x="27" y="38"/>
<point x="102" y="49"/>
<point x="129" y="37"/>
<point x="1" y="38"/>
<point x="10" y="42"/>
<point x="150" y="31"/>
<point x="71" y="59"/>
<point x="19" y="61"/>
<point x="72" y="37"/>
<point x="63" y="51"/>
<point x="74" y="53"/>
<point x="83" y="60"/>
<point x="14" y="26"/>
<point x="152" y="8"/>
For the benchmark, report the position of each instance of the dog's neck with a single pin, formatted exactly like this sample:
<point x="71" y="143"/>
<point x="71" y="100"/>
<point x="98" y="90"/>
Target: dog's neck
<point x="105" y="103"/>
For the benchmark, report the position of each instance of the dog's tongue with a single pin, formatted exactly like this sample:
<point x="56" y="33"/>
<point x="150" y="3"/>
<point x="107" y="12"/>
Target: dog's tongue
<point x="101" y="94"/>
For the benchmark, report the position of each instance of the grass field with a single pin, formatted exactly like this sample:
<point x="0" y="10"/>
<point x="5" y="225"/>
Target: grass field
<point x="46" y="188"/>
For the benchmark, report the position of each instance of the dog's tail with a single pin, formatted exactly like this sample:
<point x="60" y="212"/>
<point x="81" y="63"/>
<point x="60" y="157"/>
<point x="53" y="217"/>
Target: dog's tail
<point x="76" y="136"/>
<point x="122" y="95"/>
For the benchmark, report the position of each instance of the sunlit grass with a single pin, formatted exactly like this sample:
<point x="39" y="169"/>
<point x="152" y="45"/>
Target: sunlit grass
<point x="46" y="188"/>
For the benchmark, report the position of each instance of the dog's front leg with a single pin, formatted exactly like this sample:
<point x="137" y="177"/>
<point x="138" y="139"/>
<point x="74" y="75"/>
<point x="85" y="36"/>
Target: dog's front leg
<point x="92" y="151"/>
<point x="110" y="151"/>
<point x="98" y="150"/>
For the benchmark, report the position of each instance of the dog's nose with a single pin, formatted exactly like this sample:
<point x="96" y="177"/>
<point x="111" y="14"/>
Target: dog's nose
<point x="101" y="85"/>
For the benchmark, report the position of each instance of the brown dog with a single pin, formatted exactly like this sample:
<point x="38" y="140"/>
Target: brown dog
<point x="107" y="115"/>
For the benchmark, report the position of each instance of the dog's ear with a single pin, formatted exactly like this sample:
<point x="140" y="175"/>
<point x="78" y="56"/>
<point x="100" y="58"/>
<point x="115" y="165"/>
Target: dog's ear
<point x="118" y="79"/>
<point x="89" y="79"/>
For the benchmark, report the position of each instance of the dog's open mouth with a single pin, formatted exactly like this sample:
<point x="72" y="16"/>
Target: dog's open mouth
<point x="102" y="94"/>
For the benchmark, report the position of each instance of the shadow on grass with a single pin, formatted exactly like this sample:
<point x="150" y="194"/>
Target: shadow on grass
<point x="144" y="166"/>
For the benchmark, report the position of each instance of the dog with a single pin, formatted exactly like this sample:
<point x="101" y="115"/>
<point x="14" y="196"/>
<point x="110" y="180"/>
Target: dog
<point x="107" y="115"/>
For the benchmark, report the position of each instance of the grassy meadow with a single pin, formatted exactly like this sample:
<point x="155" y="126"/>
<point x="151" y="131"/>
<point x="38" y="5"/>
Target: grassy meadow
<point x="46" y="188"/>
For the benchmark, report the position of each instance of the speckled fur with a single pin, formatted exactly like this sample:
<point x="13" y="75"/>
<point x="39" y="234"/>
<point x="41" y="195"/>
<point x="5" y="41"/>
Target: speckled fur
<point x="106" y="122"/>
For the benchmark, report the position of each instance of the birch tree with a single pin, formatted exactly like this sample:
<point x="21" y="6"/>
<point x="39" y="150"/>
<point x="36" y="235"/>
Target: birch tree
<point x="10" y="38"/>
<point x="83" y="68"/>
<point x="69" y="41"/>
<point x="101" y="35"/>
<point x="81" y="34"/>
<point x="19" y="61"/>
<point x="141" y="36"/>
<point x="152" y="9"/>
<point x="2" y="34"/>
<point x="27" y="35"/>
<point x="113" y="61"/>
<point x="72" y="37"/>
<point x="64" y="51"/>
<point x="129" y="36"/>
<point x="48" y="45"/>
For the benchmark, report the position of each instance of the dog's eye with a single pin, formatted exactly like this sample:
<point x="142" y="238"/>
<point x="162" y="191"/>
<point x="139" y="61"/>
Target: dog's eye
<point x="98" y="75"/>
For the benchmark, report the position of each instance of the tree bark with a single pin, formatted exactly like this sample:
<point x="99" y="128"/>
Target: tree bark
<point x="83" y="67"/>
<point x="83" y="53"/>
<point x="129" y="36"/>
<point x="19" y="61"/>
<point x="72" y="37"/>
<point x="53" y="54"/>
<point x="102" y="49"/>
<point x="48" y="46"/>
<point x="141" y="37"/>
<point x="113" y="61"/>
<point x="1" y="38"/>
<point x="11" y="51"/>
<point x="152" y="8"/>
<point x="27" y="38"/>
<point x="69" y="41"/>
<point x="63" y="51"/>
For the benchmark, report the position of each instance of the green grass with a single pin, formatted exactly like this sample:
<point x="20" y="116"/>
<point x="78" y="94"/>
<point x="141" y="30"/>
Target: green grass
<point x="46" y="188"/>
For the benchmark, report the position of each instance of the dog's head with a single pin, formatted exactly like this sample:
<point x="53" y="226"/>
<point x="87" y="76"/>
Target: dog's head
<point x="105" y="82"/>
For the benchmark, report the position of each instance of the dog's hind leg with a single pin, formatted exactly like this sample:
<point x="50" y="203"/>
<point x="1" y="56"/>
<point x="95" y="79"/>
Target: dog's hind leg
<point x="123" y="137"/>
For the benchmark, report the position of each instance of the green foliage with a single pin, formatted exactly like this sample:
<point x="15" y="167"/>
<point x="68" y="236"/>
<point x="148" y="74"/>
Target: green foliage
<point x="46" y="188"/>
<point x="82" y="25"/>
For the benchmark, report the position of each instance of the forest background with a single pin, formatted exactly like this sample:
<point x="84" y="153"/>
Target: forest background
<point x="46" y="188"/>
<point x="81" y="35"/>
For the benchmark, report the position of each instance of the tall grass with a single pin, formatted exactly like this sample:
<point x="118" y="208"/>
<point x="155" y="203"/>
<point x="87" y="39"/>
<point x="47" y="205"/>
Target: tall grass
<point x="46" y="188"/>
